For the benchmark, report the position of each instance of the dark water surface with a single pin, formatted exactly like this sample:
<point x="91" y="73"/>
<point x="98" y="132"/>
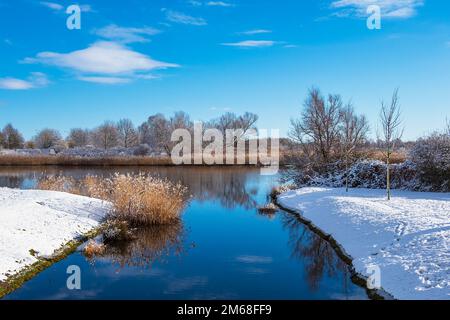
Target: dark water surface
<point x="223" y="249"/>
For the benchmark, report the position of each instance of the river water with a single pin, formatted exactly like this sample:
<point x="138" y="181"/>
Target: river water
<point x="223" y="248"/>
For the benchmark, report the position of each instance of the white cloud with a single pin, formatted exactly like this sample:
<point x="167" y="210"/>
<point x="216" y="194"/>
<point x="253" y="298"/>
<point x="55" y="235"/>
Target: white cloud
<point x="52" y="5"/>
<point x="58" y="7"/>
<point x="256" y="31"/>
<point x="126" y="35"/>
<point x="179" y="17"/>
<point x="219" y="4"/>
<point x="395" y="9"/>
<point x="196" y="3"/>
<point x="103" y="57"/>
<point x="35" y="80"/>
<point x="105" y="80"/>
<point x="251" y="44"/>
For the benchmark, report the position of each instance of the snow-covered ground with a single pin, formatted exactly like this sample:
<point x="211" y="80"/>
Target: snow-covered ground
<point x="408" y="238"/>
<point x="41" y="222"/>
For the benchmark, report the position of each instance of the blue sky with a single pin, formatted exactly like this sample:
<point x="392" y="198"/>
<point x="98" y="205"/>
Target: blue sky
<point x="136" y="58"/>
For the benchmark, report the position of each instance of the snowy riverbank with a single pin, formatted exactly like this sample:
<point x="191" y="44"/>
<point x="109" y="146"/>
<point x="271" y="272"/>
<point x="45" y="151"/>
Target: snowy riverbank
<point x="36" y="223"/>
<point x="408" y="238"/>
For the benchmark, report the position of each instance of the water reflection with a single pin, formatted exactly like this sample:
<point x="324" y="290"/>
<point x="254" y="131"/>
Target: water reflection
<point x="147" y="246"/>
<point x="239" y="253"/>
<point x="317" y="254"/>
<point x="226" y="185"/>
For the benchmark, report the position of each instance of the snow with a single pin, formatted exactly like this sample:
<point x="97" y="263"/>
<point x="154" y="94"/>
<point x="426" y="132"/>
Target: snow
<point x="42" y="221"/>
<point x="408" y="238"/>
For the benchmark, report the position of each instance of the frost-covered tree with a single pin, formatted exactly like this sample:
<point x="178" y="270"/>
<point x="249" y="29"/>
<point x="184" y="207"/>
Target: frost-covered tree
<point x="12" y="138"/>
<point x="78" y="138"/>
<point x="431" y="156"/>
<point x="240" y="124"/>
<point x="156" y="132"/>
<point x="2" y="139"/>
<point x="47" y="138"/>
<point x="128" y="136"/>
<point x="391" y="133"/>
<point x="354" y="129"/>
<point x="106" y="136"/>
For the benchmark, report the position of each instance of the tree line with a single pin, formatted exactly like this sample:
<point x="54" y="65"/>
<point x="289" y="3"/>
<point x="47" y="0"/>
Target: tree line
<point x="155" y="133"/>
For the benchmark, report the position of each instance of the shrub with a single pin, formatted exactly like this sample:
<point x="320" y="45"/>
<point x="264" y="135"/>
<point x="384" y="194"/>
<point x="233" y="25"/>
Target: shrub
<point x="431" y="156"/>
<point x="142" y="150"/>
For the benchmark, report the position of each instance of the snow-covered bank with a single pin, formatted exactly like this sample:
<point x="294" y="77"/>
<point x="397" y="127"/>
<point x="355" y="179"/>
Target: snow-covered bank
<point x="36" y="223"/>
<point x="408" y="238"/>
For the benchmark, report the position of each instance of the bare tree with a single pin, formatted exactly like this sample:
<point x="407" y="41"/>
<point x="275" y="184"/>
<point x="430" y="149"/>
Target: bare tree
<point x="390" y="120"/>
<point x="230" y="121"/>
<point x="354" y="131"/>
<point x="156" y="132"/>
<point x="13" y="139"/>
<point x="2" y="139"/>
<point x="47" y="138"/>
<point x="128" y="136"/>
<point x="78" y="138"/>
<point x="106" y="136"/>
<point x="447" y="127"/>
<point x="318" y="125"/>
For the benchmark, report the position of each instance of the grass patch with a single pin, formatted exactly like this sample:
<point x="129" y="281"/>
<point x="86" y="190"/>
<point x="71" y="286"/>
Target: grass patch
<point x="138" y="199"/>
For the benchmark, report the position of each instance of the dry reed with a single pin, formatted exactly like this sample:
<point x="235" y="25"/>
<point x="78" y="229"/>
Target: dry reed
<point x="139" y="199"/>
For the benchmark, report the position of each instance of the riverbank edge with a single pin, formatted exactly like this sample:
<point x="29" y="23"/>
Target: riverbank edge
<point x="27" y="273"/>
<point x="357" y="278"/>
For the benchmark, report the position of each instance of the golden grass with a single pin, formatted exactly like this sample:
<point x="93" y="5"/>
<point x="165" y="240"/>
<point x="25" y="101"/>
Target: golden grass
<point x="269" y="209"/>
<point x="93" y="248"/>
<point x="139" y="199"/>
<point x="18" y="160"/>
<point x="397" y="157"/>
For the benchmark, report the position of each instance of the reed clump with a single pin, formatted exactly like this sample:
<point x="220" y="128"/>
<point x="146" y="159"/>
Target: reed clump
<point x="138" y="199"/>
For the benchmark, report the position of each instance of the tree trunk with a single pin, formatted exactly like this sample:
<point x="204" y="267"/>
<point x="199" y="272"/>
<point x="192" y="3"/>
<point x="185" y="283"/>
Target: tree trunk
<point x="388" y="175"/>
<point x="346" y="173"/>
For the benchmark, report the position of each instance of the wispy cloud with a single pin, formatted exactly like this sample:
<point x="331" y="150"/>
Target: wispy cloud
<point x="103" y="62"/>
<point x="105" y="80"/>
<point x="196" y="3"/>
<point x="251" y="44"/>
<point x="182" y="18"/>
<point x="254" y="259"/>
<point x="58" y="7"/>
<point x="52" y="5"/>
<point x="126" y="35"/>
<point x="35" y="80"/>
<point x="395" y="9"/>
<point x="219" y="4"/>
<point x="256" y="31"/>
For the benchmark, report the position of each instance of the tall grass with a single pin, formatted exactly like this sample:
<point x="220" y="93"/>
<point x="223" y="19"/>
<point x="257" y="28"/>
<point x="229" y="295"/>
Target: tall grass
<point x="43" y="160"/>
<point x="139" y="199"/>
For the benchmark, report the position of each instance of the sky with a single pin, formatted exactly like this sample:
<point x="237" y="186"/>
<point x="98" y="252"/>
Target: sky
<point x="133" y="58"/>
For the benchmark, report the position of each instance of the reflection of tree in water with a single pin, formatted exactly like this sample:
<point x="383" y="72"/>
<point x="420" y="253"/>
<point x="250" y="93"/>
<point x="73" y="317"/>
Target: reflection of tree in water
<point x="11" y="181"/>
<point x="317" y="254"/>
<point x="148" y="245"/>
<point x="226" y="184"/>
